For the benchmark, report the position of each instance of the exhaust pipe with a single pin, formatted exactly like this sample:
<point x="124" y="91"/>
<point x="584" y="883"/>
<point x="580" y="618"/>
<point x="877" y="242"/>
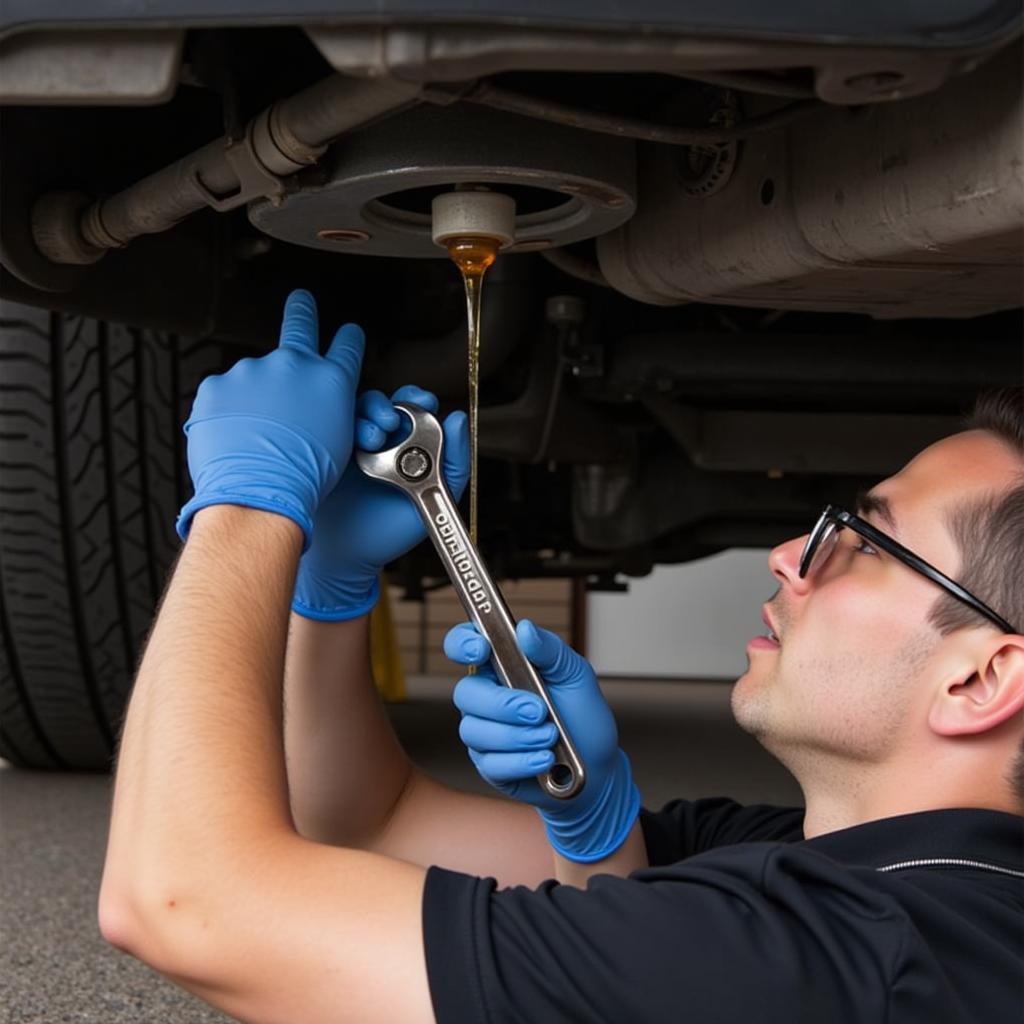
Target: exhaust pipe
<point x="290" y="135"/>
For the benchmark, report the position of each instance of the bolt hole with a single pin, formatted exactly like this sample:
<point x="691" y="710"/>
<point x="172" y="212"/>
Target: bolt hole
<point x="343" y="235"/>
<point x="561" y="775"/>
<point x="767" y="192"/>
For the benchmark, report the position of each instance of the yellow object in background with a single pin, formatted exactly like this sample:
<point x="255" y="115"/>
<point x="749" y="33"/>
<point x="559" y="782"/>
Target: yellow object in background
<point x="385" y="657"/>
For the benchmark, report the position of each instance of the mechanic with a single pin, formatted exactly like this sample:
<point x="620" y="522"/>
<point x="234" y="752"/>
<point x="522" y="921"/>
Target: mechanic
<point x="274" y="851"/>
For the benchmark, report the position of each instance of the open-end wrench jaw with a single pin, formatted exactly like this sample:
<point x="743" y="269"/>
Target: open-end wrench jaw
<point x="415" y="467"/>
<point x="415" y="461"/>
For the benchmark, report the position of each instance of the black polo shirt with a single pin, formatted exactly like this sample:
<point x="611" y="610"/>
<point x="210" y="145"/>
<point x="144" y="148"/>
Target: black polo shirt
<point x="739" y="919"/>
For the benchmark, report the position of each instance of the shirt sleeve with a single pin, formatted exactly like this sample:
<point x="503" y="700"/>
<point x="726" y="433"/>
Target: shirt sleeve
<point x="683" y="828"/>
<point x="762" y="932"/>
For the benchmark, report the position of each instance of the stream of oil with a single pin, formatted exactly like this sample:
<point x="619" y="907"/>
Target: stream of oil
<point x="473" y="255"/>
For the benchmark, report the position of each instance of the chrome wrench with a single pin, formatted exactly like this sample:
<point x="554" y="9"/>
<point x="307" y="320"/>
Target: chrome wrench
<point x="415" y="467"/>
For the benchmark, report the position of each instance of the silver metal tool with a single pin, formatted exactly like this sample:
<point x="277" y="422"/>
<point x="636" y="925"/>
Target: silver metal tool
<point x="415" y="467"/>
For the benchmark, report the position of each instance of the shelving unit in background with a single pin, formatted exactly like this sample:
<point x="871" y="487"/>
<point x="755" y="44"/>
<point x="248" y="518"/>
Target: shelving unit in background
<point x="421" y="626"/>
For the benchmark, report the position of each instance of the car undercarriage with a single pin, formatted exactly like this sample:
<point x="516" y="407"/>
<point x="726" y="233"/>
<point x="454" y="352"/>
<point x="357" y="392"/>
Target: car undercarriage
<point x="757" y="264"/>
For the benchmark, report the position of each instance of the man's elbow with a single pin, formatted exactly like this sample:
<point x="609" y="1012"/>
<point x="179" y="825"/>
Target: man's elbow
<point x="116" y="909"/>
<point x="144" y="930"/>
<point x="117" y="921"/>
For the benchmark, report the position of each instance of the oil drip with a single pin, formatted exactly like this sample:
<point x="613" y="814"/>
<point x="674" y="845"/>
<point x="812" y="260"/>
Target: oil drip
<point x="473" y="254"/>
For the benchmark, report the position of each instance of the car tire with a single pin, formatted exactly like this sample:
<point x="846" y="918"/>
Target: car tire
<point x="92" y="473"/>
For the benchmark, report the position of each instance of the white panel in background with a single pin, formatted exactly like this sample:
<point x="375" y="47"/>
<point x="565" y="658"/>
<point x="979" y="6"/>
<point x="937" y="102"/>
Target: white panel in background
<point x="691" y="620"/>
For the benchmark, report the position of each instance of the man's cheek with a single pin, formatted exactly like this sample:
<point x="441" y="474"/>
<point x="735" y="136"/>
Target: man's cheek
<point x="852" y="616"/>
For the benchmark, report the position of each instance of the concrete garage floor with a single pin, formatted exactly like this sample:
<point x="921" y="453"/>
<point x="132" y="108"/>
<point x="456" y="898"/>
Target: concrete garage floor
<point x="55" y="967"/>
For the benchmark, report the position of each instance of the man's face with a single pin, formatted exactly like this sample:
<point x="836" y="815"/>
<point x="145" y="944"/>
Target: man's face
<point x="850" y="676"/>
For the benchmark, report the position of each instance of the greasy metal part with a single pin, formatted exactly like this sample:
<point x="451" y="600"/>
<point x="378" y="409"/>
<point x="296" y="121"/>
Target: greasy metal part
<point x="665" y="504"/>
<point x="892" y="368"/>
<point x="842" y="73"/>
<point x="566" y="314"/>
<point x="880" y="386"/>
<point x="798" y="442"/>
<point x="895" y="210"/>
<point x="568" y="185"/>
<point x="331" y="107"/>
<point x="762" y="83"/>
<point x="565" y="311"/>
<point x="487" y="95"/>
<point x="757" y="476"/>
<point x="228" y="173"/>
<point x="705" y="170"/>
<point x="473" y="213"/>
<point x="575" y="266"/>
<point x="105" y="67"/>
<point x="414" y="467"/>
<point x="546" y="424"/>
<point x="55" y="228"/>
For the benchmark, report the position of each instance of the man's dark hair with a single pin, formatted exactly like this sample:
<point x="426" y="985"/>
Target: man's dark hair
<point x="990" y="536"/>
<point x="990" y="533"/>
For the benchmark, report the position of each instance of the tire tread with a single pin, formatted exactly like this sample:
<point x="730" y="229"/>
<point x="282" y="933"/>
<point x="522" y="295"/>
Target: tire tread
<point x="92" y="473"/>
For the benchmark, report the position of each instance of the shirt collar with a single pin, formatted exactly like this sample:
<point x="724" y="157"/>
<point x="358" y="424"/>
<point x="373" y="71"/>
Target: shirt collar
<point x="993" y="837"/>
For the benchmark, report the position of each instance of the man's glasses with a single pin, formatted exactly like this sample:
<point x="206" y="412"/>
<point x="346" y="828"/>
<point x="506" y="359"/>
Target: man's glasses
<point x="825" y="535"/>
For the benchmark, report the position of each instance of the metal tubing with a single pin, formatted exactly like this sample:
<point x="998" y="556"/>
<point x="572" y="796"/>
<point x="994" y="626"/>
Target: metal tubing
<point x="337" y="104"/>
<point x="160" y="200"/>
<point x="226" y="173"/>
<point x="493" y="96"/>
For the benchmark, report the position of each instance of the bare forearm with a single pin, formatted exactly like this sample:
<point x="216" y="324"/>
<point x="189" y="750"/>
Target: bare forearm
<point x="346" y="768"/>
<point x="200" y="773"/>
<point x="351" y="784"/>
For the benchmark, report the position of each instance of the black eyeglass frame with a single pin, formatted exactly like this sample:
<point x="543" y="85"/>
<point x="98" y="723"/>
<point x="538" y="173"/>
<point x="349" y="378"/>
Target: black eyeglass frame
<point x="836" y="518"/>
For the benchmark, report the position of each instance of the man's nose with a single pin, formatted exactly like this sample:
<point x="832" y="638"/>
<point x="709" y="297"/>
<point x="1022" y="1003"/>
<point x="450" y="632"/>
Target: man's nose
<point x="784" y="562"/>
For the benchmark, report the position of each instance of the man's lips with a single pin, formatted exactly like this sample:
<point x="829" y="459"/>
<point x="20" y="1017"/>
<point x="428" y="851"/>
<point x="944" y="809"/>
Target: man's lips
<point x="769" y="642"/>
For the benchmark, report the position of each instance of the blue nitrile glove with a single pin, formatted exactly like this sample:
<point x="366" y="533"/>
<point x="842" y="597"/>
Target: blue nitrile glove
<point x="509" y="741"/>
<point x="275" y="433"/>
<point x="364" y="524"/>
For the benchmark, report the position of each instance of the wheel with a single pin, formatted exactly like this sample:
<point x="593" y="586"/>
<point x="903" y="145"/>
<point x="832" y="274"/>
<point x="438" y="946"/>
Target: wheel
<point x="92" y="473"/>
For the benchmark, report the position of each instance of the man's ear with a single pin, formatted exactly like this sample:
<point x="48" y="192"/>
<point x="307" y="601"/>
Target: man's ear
<point x="984" y="695"/>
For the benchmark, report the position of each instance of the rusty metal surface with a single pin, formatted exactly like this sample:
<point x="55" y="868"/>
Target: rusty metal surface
<point x="900" y="210"/>
<point x="77" y="67"/>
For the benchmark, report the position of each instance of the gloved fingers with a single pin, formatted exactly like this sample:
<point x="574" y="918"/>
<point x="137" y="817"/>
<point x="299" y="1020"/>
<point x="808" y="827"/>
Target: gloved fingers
<point x="501" y="768"/>
<point x="299" y="325"/>
<point x="464" y="645"/>
<point x="347" y="349"/>
<point x="482" y="696"/>
<point x="556" y="660"/>
<point x="209" y="387"/>
<point x="369" y="436"/>
<point x="375" y="418"/>
<point x="456" y="452"/>
<point x="376" y="407"/>
<point x="416" y="396"/>
<point x="485" y="735"/>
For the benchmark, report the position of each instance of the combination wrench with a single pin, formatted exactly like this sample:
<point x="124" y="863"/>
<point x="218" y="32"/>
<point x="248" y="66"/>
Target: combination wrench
<point x="415" y="467"/>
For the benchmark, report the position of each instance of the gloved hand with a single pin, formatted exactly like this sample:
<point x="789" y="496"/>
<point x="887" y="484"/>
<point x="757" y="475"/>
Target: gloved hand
<point x="509" y="740"/>
<point x="364" y="524"/>
<point x="275" y="433"/>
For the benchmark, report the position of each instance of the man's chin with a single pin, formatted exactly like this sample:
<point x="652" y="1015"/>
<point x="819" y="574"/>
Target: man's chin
<point x="749" y="701"/>
<point x="753" y="679"/>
